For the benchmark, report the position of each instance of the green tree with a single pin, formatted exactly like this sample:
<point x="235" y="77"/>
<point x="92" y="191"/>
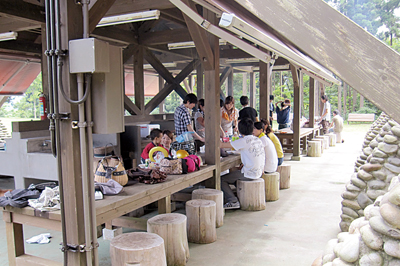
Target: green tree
<point x="26" y="106"/>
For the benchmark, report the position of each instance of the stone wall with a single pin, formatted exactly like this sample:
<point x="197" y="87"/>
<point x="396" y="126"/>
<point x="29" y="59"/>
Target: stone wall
<point x="372" y="240"/>
<point x="378" y="163"/>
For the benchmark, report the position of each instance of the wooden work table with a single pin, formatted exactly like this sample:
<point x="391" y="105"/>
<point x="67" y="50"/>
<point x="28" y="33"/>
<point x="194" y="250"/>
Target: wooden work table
<point x="107" y="209"/>
<point x="286" y="137"/>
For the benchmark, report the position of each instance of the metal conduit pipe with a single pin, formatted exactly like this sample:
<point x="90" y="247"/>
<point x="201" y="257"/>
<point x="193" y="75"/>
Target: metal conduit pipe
<point x="86" y="151"/>
<point x="51" y="12"/>
<point x="84" y="170"/>
<point x="95" y="244"/>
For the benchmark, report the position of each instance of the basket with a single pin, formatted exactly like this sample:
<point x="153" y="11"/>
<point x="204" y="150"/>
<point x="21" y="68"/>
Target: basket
<point x="111" y="168"/>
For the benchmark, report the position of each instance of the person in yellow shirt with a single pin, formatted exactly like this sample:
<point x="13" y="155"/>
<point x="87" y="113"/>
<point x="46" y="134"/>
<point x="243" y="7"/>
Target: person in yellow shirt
<point x="278" y="146"/>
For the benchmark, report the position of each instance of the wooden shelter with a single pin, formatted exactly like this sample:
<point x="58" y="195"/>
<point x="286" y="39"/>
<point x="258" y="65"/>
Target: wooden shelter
<point x="272" y="35"/>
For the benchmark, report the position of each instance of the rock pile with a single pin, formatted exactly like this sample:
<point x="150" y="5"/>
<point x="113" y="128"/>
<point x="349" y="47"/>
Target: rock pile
<point x="372" y="240"/>
<point x="377" y="165"/>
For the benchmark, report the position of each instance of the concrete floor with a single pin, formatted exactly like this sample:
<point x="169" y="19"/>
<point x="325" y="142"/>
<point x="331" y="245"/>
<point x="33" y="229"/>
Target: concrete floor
<point x="291" y="231"/>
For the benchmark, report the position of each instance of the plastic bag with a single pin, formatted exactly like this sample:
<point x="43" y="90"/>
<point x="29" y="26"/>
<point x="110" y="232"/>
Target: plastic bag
<point x="186" y="136"/>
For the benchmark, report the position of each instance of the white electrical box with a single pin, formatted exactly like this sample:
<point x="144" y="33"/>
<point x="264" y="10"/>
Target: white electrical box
<point x="145" y="129"/>
<point x="89" y="56"/>
<point x="108" y="96"/>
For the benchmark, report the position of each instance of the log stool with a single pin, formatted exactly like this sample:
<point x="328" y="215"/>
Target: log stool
<point x="314" y="148"/>
<point x="172" y="228"/>
<point x="284" y="171"/>
<point x="332" y="139"/>
<point x="201" y="221"/>
<point x="325" y="140"/>
<point x="145" y="249"/>
<point x="251" y="194"/>
<point x="320" y="141"/>
<point x="338" y="137"/>
<point x="271" y="186"/>
<point x="215" y="195"/>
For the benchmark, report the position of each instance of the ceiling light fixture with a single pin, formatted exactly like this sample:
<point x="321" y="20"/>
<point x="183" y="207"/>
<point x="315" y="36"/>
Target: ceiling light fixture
<point x="128" y="18"/>
<point x="8" y="36"/>
<point x="184" y="45"/>
<point x="243" y="29"/>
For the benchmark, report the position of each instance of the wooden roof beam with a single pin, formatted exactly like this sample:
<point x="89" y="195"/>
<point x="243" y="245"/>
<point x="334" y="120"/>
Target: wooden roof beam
<point x="115" y="34"/>
<point x="132" y="6"/>
<point x="97" y="12"/>
<point x="21" y="47"/>
<point x="131" y="107"/>
<point x="200" y="39"/>
<point x="163" y="93"/>
<point x="22" y="10"/>
<point x="165" y="37"/>
<point x="9" y="24"/>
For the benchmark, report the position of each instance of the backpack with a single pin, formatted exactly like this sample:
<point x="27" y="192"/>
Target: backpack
<point x="193" y="163"/>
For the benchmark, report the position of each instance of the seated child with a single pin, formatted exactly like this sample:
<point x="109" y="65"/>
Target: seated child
<point x="271" y="157"/>
<point x="156" y="137"/>
<point x="253" y="159"/>
<point x="270" y="134"/>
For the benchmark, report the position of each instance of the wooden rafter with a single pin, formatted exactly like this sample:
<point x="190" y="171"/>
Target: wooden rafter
<point x="157" y="99"/>
<point x="21" y="46"/>
<point x="97" y="12"/>
<point x="115" y="35"/>
<point x="200" y="38"/>
<point x="8" y="24"/>
<point x="130" y="106"/>
<point x="22" y="10"/>
<point x="165" y="37"/>
<point x="131" y="6"/>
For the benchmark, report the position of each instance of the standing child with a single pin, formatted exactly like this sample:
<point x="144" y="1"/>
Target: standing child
<point x="271" y="157"/>
<point x="252" y="155"/>
<point x="156" y="137"/>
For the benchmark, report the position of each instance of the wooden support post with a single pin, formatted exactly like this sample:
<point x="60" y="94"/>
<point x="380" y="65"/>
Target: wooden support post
<point x="296" y="114"/>
<point x="164" y="205"/>
<point x="311" y="103"/>
<point x="265" y="84"/>
<point x="340" y="87"/>
<point x="361" y="102"/>
<point x="45" y="74"/>
<point x="244" y="84"/>
<point x="212" y="121"/>
<point x="344" y="101"/>
<point x="15" y="241"/>
<point x="161" y="83"/>
<point x="230" y="84"/>
<point x="200" y="81"/>
<point x="252" y="89"/>
<point x="71" y="21"/>
<point x="138" y="77"/>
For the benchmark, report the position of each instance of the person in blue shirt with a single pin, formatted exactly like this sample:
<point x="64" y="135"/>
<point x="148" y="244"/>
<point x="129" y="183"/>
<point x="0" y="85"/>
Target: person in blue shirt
<point x="282" y="114"/>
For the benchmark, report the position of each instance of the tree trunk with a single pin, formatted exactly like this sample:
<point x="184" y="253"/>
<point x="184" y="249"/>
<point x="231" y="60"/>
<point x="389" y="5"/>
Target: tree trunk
<point x="142" y="248"/>
<point x="172" y="228"/>
<point x="201" y="221"/>
<point x="215" y="195"/>
<point x="284" y="171"/>
<point x="314" y="148"/>
<point x="251" y="194"/>
<point x="271" y="186"/>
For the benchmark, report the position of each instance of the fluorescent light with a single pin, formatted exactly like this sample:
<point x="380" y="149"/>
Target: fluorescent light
<point x="8" y="36"/>
<point x="240" y="27"/>
<point x="184" y="45"/>
<point x="242" y="60"/>
<point x="148" y="66"/>
<point x="222" y="34"/>
<point x="128" y="18"/>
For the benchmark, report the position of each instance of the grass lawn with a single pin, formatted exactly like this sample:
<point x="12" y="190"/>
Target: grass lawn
<point x="356" y="127"/>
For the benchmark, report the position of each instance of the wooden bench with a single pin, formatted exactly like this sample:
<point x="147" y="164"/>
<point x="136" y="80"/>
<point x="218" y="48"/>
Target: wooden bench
<point x="360" y="118"/>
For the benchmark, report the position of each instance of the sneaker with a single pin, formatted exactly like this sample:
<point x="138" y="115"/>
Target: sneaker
<point x="232" y="205"/>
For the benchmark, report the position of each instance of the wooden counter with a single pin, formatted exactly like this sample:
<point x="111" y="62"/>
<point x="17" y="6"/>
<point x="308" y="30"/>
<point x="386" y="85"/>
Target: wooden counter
<point x="111" y="207"/>
<point x="286" y="137"/>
